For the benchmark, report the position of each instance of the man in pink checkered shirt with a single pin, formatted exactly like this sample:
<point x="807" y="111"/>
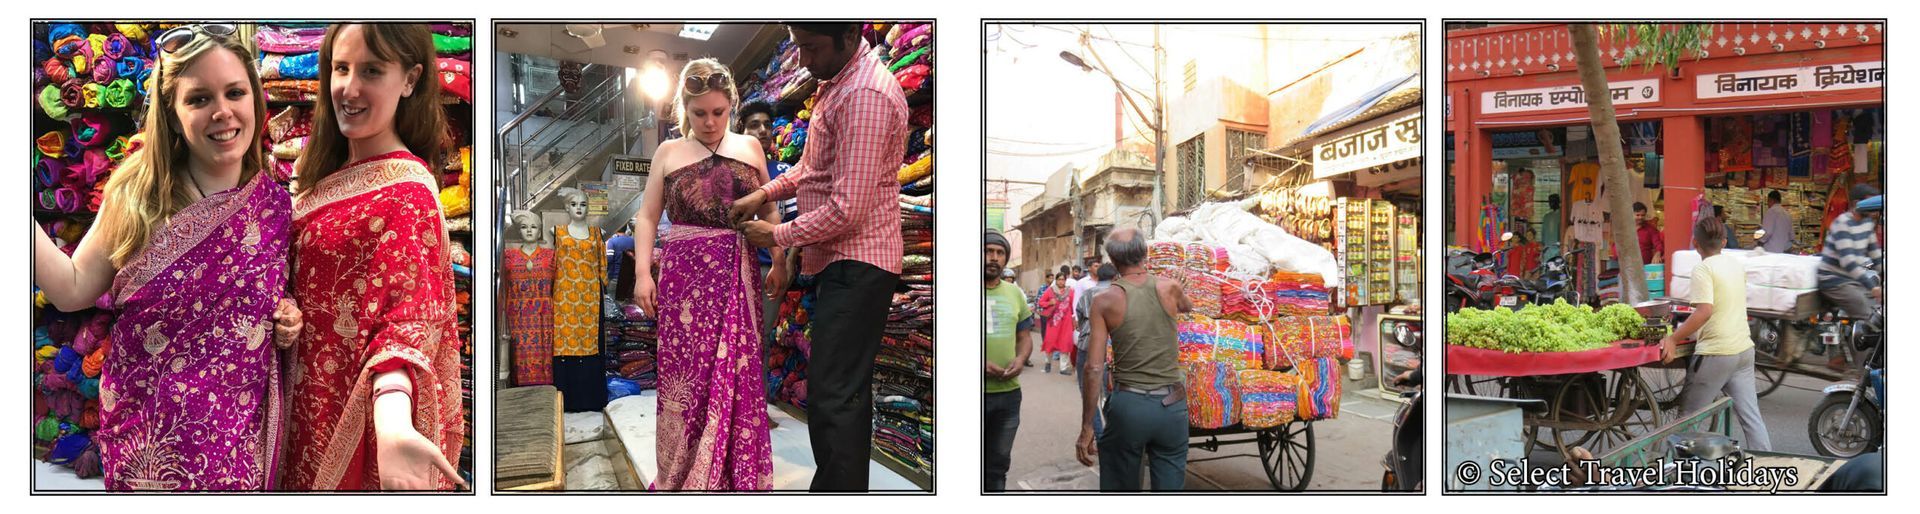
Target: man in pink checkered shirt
<point x="848" y="233"/>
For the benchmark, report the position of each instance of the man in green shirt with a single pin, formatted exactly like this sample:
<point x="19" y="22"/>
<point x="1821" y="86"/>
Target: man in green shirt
<point x="1009" y="343"/>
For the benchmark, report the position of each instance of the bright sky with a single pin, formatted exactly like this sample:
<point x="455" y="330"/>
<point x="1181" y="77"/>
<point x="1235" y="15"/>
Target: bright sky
<point x="1043" y="113"/>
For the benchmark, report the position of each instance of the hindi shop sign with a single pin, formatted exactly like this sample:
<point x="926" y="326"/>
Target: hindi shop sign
<point x="1566" y="97"/>
<point x="1810" y="79"/>
<point x="1369" y="145"/>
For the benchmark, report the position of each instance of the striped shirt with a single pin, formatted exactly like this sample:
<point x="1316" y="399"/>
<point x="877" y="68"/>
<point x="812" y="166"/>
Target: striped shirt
<point x="1851" y="252"/>
<point x="847" y="180"/>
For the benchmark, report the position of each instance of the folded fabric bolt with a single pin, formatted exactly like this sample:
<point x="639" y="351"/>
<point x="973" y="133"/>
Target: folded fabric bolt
<point x="52" y="144"/>
<point x="116" y="46"/>
<point x="140" y="83"/>
<point x="444" y="44"/>
<point x="56" y="70"/>
<point x="90" y="95"/>
<point x="456" y="77"/>
<point x="296" y="66"/>
<point x="42" y="50"/>
<point x="61" y="31"/>
<point x="97" y="44"/>
<point x="103" y="69"/>
<point x="92" y="129"/>
<point x="68" y="47"/>
<point x="94" y="168"/>
<point x="129" y="67"/>
<point x="118" y="94"/>
<point x="289" y="40"/>
<point x="134" y="31"/>
<point x="71" y="95"/>
<point x="117" y="150"/>
<point x="48" y="170"/>
<point x="452" y="29"/>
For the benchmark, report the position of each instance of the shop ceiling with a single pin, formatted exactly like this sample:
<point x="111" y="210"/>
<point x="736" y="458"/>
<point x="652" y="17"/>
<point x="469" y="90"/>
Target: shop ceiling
<point x="628" y="44"/>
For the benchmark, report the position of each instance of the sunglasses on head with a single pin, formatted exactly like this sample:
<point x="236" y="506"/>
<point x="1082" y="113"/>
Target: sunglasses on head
<point x="697" y="85"/>
<point x="176" y="38"/>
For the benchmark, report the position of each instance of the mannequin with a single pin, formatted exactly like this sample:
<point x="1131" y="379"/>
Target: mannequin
<point x="527" y="269"/>
<point x="580" y="275"/>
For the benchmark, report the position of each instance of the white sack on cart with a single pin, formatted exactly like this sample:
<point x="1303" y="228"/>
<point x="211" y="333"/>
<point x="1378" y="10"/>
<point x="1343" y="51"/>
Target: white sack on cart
<point x="1175" y="228"/>
<point x="1228" y="223"/>
<point x="1245" y="260"/>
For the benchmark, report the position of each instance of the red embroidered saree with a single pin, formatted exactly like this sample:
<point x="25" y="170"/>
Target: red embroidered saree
<point x="373" y="275"/>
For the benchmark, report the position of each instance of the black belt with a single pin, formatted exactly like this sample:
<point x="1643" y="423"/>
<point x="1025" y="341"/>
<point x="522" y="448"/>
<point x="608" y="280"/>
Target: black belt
<point x="1170" y="393"/>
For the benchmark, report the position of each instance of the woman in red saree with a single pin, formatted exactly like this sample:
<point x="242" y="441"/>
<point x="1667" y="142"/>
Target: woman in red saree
<point x="1057" y="304"/>
<point x="192" y="240"/>
<point x="375" y="381"/>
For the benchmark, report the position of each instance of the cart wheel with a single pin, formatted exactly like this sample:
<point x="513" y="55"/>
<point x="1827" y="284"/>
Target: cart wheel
<point x="1770" y="371"/>
<point x="1584" y="414"/>
<point x="1287" y="454"/>
<point x="1666" y="384"/>
<point x="1478" y="386"/>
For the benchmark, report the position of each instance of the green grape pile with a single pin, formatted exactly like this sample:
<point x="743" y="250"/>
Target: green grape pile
<point x="1559" y="327"/>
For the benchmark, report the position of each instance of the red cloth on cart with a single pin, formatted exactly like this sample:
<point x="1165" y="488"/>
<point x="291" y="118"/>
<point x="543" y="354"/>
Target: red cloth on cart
<point x="1626" y="353"/>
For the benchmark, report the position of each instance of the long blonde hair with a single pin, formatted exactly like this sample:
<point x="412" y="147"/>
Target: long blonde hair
<point x="151" y="183"/>
<point x="701" y="67"/>
<point x="419" y="120"/>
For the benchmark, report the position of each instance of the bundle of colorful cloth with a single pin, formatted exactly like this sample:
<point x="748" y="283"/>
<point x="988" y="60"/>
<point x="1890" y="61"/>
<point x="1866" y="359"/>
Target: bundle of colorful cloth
<point x="632" y="338"/>
<point x="1163" y="255"/>
<point x="907" y="50"/>
<point x="1319" y="389"/>
<point x="1203" y="339"/>
<point x="1212" y="390"/>
<point x="453" y="44"/>
<point x="1267" y="398"/>
<point x="1296" y="338"/>
<point x="89" y="67"/>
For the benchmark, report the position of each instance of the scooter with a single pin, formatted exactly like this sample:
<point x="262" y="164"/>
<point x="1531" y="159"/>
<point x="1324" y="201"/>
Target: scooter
<point x="1405" y="461"/>
<point x="1850" y="419"/>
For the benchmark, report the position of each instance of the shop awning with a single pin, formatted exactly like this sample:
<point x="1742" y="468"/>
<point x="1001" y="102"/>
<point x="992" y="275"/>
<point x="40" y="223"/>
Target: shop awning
<point x="1369" y="104"/>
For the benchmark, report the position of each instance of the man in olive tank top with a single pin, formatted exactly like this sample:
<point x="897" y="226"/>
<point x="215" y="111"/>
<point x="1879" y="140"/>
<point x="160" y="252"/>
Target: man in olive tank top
<point x="1146" y="414"/>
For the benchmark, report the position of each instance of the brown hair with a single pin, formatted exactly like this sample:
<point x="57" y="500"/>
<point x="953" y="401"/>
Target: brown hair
<point x="701" y="68"/>
<point x="150" y="184"/>
<point x="1709" y="234"/>
<point x="419" y="120"/>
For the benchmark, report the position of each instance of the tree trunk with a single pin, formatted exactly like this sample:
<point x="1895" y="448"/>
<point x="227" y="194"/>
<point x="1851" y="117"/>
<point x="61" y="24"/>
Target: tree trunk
<point x="1613" y="163"/>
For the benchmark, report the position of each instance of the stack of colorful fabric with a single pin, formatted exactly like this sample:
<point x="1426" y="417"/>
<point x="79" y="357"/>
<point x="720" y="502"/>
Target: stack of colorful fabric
<point x="1236" y="345"/>
<point x="1212" y="389"/>
<point x="453" y="44"/>
<point x="787" y="361"/>
<point x="288" y="131"/>
<point x="1298" y="294"/>
<point x="289" y="63"/>
<point x="631" y="340"/>
<point x="1199" y="257"/>
<point x="1297" y="338"/>
<point x="1318" y="394"/>
<point x="1204" y="291"/>
<point x="907" y="48"/>
<point x="87" y="86"/>
<point x="1195" y="334"/>
<point x="1267" y="398"/>
<point x="1162" y="255"/>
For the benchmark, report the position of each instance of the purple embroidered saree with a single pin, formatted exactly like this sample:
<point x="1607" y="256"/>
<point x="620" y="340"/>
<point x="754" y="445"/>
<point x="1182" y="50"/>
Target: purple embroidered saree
<point x="189" y="393"/>
<point x="712" y="432"/>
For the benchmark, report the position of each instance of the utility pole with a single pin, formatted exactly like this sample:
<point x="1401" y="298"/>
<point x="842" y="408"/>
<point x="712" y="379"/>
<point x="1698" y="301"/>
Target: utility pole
<point x="1159" y="132"/>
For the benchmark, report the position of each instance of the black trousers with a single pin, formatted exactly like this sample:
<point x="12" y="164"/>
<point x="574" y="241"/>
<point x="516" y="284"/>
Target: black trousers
<point x="849" y="313"/>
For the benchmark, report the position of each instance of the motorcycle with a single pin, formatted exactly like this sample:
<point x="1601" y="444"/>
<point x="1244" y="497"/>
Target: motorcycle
<point x="1405" y="461"/>
<point x="1556" y="280"/>
<point x="1470" y="279"/>
<point x="1850" y="419"/>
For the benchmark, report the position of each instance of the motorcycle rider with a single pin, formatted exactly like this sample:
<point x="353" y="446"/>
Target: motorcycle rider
<point x="1850" y="257"/>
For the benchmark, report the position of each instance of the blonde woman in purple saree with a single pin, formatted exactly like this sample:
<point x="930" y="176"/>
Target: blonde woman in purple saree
<point x="191" y="247"/>
<point x="712" y="425"/>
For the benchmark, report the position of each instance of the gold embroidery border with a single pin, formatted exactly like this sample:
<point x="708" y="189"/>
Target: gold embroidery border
<point x="161" y="252"/>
